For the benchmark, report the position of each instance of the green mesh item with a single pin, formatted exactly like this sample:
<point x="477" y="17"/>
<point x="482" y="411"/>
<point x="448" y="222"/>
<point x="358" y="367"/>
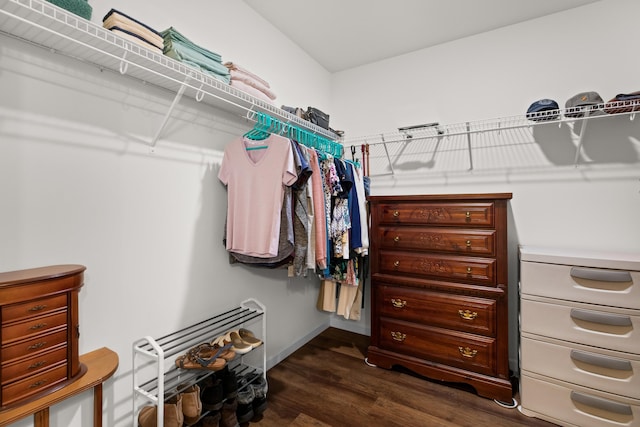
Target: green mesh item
<point x="79" y="7"/>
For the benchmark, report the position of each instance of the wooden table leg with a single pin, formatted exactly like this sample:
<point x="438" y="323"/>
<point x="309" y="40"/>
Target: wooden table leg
<point x="41" y="418"/>
<point x="97" y="406"/>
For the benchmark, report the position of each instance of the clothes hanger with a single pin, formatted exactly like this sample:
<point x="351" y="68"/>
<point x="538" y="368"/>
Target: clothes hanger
<point x="259" y="131"/>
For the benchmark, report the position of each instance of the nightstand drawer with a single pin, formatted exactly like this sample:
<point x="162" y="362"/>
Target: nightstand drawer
<point x="34" y="326"/>
<point x="467" y="351"/>
<point x="31" y="366"/>
<point x="34" y="345"/>
<point x="33" y="308"/>
<point x="474" y="270"/>
<point x="466" y="214"/>
<point x="615" y="288"/>
<point x="462" y="313"/>
<point x="32" y="385"/>
<point x="459" y="241"/>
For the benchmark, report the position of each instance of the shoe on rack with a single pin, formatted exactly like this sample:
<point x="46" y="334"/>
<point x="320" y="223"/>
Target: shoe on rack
<point x="173" y="416"/>
<point x="245" y="398"/>
<point x="204" y="356"/>
<point x="228" y="416"/>
<point x="248" y="337"/>
<point x="229" y="383"/>
<point x="239" y="346"/>
<point x="211" y="420"/>
<point x="191" y="403"/>
<point x="260" y="388"/>
<point x="212" y="394"/>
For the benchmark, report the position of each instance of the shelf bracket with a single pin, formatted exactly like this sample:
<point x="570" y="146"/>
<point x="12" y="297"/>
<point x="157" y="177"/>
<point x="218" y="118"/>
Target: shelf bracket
<point x="171" y="108"/>
<point x="581" y="137"/>
<point x="384" y="144"/>
<point x="469" y="145"/>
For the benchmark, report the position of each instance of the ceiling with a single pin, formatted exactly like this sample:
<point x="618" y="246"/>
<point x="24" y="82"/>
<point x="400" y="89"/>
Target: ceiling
<point x="342" y="34"/>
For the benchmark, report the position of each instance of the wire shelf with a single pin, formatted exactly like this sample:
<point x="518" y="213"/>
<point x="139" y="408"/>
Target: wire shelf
<point x="50" y="27"/>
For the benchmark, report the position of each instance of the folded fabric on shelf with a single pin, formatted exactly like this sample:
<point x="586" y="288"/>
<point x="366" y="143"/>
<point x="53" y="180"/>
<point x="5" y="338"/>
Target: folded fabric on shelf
<point x="135" y="38"/>
<point x="246" y="78"/>
<point x="180" y="48"/>
<point x="251" y="91"/>
<point x="236" y="67"/>
<point x="116" y="19"/>
<point x="79" y="7"/>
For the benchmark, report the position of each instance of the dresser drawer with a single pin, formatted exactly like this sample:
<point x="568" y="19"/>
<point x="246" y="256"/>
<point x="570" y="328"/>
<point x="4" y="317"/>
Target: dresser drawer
<point x="593" y="367"/>
<point x="33" y="365"/>
<point x="615" y="288"/>
<point x="34" y="326"/>
<point x="468" y="314"/>
<point x="35" y="384"/>
<point x="14" y="312"/>
<point x="468" y="242"/>
<point x="34" y="345"/>
<point x="467" y="351"/>
<point x="474" y="270"/>
<point x="465" y="214"/>
<point x="571" y="405"/>
<point x="598" y="326"/>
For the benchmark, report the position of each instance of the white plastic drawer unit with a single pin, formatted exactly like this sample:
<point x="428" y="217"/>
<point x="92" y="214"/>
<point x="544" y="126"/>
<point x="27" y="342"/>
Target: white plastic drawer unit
<point x="610" y="371"/>
<point x="598" y="326"/>
<point x="572" y="405"/>
<point x="611" y="281"/>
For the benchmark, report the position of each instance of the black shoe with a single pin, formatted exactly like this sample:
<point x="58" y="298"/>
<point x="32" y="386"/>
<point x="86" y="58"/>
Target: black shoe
<point x="229" y="382"/>
<point x="260" y="388"/>
<point x="245" y="399"/>
<point x="212" y="394"/>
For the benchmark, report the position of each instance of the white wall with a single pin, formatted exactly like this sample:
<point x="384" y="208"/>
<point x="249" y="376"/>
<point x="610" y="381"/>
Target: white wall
<point x="499" y="74"/>
<point x="78" y="186"/>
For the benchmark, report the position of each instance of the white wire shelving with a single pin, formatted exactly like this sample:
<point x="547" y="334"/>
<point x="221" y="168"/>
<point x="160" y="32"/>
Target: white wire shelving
<point x="53" y="28"/>
<point x="437" y="132"/>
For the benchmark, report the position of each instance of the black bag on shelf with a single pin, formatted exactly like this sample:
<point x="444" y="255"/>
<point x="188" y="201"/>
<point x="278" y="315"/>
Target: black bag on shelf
<point x="318" y="118"/>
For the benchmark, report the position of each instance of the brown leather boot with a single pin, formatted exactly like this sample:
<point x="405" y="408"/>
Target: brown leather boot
<point x="191" y="404"/>
<point x="211" y="420"/>
<point x="173" y="416"/>
<point x="228" y="416"/>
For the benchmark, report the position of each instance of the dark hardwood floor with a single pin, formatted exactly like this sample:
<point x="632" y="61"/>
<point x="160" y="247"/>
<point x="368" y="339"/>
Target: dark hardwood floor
<point x="327" y="383"/>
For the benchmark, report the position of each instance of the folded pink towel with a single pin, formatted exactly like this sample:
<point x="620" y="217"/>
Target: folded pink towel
<point x="251" y="91"/>
<point x="246" y="78"/>
<point x="235" y="66"/>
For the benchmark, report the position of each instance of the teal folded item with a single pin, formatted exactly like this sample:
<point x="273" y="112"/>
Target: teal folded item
<point x="184" y="53"/>
<point x="171" y="34"/>
<point x="79" y="7"/>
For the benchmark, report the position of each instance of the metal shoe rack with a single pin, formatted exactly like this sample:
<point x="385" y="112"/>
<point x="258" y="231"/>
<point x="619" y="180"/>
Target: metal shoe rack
<point x="155" y="375"/>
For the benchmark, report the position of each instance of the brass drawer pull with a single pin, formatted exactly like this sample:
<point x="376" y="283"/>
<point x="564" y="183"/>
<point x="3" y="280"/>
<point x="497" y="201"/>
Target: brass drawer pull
<point x="467" y="352"/>
<point x="37" y="345"/>
<point x="396" y="239"/>
<point x="38" y="326"/>
<point x="38" y="307"/>
<point x="396" y="214"/>
<point x="398" y="303"/>
<point x="37" y="383"/>
<point x="396" y="263"/>
<point x="468" y="215"/>
<point x="468" y="270"/>
<point x="467" y="314"/>
<point x="37" y="364"/>
<point x="468" y="242"/>
<point x="398" y="336"/>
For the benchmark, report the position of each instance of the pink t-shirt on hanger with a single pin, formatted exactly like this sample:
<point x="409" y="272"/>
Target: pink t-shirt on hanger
<point x="255" y="181"/>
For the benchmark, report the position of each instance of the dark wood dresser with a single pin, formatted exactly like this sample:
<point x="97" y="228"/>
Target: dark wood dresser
<point x="439" y="288"/>
<point x="40" y="331"/>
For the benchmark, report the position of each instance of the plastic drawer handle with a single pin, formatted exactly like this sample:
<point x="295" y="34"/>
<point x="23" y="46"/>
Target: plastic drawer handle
<point x="602" y="361"/>
<point x="600" y="403"/>
<point x="600" y="275"/>
<point x="602" y="318"/>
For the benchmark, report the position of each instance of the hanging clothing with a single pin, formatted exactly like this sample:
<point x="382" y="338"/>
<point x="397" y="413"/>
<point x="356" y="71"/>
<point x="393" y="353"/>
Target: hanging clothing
<point x="255" y="183"/>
